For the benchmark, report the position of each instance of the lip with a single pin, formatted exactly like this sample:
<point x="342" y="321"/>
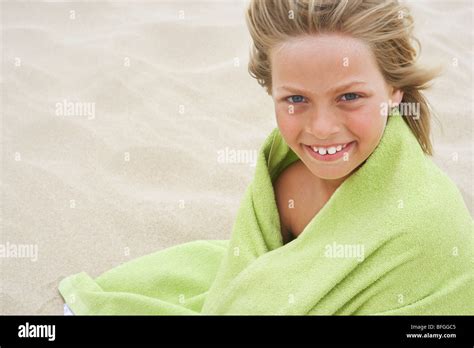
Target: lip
<point x="327" y="157"/>
<point x="330" y="145"/>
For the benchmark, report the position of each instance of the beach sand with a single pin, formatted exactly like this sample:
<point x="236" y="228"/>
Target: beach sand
<point x="116" y="116"/>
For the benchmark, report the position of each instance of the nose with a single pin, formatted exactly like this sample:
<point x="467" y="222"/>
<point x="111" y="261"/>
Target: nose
<point x="322" y="123"/>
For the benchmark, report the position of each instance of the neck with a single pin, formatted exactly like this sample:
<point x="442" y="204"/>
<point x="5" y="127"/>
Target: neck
<point x="329" y="186"/>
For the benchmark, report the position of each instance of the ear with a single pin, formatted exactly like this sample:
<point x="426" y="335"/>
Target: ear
<point x="397" y="96"/>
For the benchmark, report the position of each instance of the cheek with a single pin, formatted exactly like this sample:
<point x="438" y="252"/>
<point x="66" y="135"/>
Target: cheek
<point x="368" y="128"/>
<point x="288" y="125"/>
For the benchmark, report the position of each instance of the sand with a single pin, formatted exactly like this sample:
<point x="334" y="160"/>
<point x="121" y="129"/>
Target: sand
<point x="129" y="128"/>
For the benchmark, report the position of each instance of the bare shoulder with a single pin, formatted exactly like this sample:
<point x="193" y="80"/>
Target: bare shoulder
<point x="285" y="187"/>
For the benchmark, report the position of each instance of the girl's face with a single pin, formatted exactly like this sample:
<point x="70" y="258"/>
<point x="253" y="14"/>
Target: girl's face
<point x="328" y="93"/>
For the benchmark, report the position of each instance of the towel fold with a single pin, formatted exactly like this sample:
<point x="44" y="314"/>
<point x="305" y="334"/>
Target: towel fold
<point x="394" y="239"/>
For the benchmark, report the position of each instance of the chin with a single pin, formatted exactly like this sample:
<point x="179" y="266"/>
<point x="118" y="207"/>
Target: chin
<point x="328" y="172"/>
<point x="331" y="176"/>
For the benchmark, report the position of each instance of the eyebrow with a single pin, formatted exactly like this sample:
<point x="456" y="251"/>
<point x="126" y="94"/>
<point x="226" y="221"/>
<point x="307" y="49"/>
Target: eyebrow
<point x="332" y="90"/>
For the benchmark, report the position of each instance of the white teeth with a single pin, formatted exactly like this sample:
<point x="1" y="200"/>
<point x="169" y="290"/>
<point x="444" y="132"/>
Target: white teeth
<point x="330" y="150"/>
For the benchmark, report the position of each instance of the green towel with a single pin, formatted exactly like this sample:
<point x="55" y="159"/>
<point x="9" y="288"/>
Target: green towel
<point x="394" y="239"/>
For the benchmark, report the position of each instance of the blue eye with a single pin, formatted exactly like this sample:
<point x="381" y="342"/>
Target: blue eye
<point x="299" y="99"/>
<point x="350" y="96"/>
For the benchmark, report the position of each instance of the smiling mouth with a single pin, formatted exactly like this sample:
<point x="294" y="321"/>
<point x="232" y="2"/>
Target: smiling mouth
<point x="331" y="150"/>
<point x="331" y="153"/>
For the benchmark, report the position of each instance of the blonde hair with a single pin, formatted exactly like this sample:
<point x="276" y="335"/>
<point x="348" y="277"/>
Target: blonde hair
<point x="386" y="26"/>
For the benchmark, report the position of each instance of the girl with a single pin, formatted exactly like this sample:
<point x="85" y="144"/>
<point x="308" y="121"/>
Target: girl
<point x="332" y="68"/>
